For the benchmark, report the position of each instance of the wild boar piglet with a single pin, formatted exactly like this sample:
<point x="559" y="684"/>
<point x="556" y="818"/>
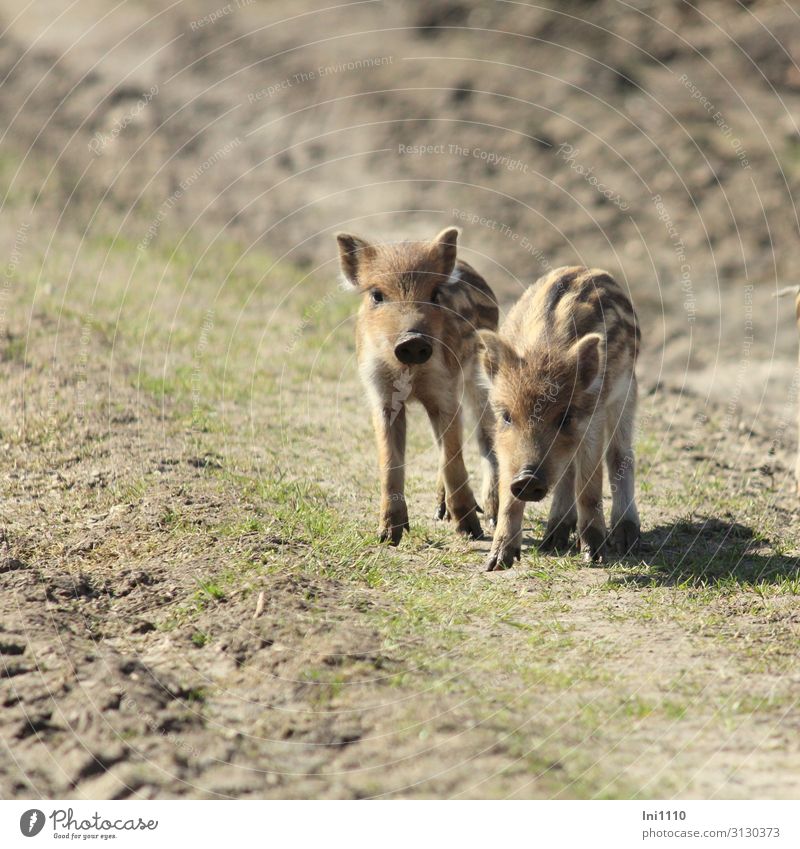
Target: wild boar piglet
<point x="416" y="340"/>
<point x="563" y="387"/>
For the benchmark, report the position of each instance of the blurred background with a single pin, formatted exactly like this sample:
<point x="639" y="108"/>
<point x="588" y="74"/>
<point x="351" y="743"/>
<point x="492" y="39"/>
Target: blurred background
<point x="656" y="139"/>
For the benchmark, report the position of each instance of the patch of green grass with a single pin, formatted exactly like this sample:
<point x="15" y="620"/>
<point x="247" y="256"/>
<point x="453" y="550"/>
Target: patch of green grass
<point x="327" y="685"/>
<point x="169" y="518"/>
<point x="160" y="386"/>
<point x="200" y="638"/>
<point x="196" y="695"/>
<point x="241" y="527"/>
<point x="130" y="491"/>
<point x="22" y="192"/>
<point x="790" y="156"/>
<point x="13" y="349"/>
<point x="209" y="590"/>
<point x="674" y="710"/>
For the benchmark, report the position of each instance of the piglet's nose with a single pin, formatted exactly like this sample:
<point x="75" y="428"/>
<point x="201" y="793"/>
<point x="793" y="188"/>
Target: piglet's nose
<point x="529" y="485"/>
<point x="413" y="349"/>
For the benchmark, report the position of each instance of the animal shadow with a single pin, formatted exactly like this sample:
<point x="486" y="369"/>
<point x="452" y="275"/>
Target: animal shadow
<point x="708" y="551"/>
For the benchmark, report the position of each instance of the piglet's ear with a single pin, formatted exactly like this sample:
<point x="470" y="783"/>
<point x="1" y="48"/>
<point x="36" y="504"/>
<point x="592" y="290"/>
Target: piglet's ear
<point x="352" y="252"/>
<point x="589" y="356"/>
<point x="493" y="352"/>
<point x="445" y="248"/>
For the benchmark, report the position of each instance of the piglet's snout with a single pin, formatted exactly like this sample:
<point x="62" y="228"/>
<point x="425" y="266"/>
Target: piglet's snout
<point x="529" y="485"/>
<point x="413" y="349"/>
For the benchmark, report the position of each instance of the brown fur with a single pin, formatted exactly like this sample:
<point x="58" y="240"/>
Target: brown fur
<point x="564" y="393"/>
<point x="426" y="293"/>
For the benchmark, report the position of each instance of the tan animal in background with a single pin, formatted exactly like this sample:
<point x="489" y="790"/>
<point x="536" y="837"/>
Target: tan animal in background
<point x="563" y="388"/>
<point x="416" y="340"/>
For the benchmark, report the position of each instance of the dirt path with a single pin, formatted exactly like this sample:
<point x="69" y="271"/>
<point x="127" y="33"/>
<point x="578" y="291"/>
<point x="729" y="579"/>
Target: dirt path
<point x="184" y="443"/>
<point x="140" y="536"/>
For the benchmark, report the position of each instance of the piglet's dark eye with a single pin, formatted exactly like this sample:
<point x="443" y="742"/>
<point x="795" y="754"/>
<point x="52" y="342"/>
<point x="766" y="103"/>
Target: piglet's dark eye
<point x="506" y="417"/>
<point x="435" y="296"/>
<point x="377" y="296"/>
<point x="566" y="420"/>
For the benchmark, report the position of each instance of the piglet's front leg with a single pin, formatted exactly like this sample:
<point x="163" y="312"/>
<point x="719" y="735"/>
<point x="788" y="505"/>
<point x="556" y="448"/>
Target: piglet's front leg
<point x="460" y="501"/>
<point x="589" y="497"/>
<point x="507" y="542"/>
<point x="390" y="434"/>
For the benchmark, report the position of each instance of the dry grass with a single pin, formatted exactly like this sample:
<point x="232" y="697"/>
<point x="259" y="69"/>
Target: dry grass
<point x="190" y="440"/>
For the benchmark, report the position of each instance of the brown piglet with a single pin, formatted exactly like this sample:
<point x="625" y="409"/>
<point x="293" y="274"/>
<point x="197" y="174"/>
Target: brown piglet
<point x="563" y="388"/>
<point x="416" y="340"/>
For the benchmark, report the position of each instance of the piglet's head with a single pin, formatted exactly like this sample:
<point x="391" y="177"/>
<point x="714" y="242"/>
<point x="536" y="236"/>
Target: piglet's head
<point x="543" y="399"/>
<point x="400" y="286"/>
